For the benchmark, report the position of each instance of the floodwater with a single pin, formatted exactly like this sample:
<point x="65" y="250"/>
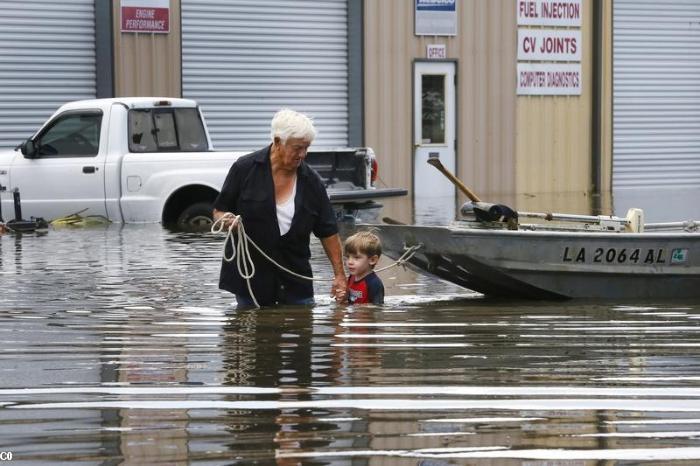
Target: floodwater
<point x="117" y="348"/>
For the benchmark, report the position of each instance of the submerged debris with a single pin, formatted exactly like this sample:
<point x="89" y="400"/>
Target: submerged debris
<point x="77" y="220"/>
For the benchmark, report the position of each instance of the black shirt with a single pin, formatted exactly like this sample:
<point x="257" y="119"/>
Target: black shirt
<point x="249" y="191"/>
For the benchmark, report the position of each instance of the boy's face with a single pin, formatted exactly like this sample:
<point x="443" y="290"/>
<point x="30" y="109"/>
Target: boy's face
<point x="360" y="264"/>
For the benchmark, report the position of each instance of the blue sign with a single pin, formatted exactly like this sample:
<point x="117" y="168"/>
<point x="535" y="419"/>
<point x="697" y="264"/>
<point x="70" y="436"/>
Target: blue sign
<point x="435" y="5"/>
<point x="436" y="17"/>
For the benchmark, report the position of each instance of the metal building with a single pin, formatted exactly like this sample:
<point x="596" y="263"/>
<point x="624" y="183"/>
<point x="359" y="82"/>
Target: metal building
<point x="656" y="105"/>
<point x="362" y="68"/>
<point x="243" y="60"/>
<point x="47" y="56"/>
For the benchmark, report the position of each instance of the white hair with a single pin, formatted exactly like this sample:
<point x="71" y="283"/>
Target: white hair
<point x="290" y="124"/>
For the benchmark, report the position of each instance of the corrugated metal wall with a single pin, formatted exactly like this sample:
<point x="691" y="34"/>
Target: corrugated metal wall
<point x="510" y="148"/>
<point x="485" y="50"/>
<point x="606" y="98"/>
<point x="47" y="57"/>
<point x="147" y="64"/>
<point x="243" y="60"/>
<point x="656" y="107"/>
<point x="554" y="132"/>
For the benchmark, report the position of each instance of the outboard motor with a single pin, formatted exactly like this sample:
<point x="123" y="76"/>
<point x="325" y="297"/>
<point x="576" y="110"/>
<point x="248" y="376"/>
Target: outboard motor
<point x="21" y="225"/>
<point x="487" y="212"/>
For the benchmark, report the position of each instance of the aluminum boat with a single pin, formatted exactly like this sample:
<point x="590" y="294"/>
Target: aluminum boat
<point x="563" y="256"/>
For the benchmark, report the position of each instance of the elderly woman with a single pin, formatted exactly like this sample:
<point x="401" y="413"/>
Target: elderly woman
<point x="281" y="201"/>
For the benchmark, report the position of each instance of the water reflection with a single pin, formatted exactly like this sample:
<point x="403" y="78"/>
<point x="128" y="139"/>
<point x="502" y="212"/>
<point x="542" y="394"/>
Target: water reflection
<point x="117" y="348"/>
<point x="435" y="210"/>
<point x="660" y="204"/>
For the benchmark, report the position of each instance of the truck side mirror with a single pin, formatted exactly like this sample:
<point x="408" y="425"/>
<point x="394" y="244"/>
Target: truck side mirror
<point x="28" y="149"/>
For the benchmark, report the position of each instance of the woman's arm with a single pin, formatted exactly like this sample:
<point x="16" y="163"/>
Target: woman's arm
<point x="331" y="244"/>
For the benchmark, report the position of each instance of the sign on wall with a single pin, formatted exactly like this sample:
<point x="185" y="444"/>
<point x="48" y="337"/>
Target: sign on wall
<point x="436" y="52"/>
<point x="549" y="44"/>
<point x="549" y="13"/>
<point x="549" y="59"/>
<point x="145" y="16"/>
<point x="549" y="78"/>
<point x="436" y="17"/>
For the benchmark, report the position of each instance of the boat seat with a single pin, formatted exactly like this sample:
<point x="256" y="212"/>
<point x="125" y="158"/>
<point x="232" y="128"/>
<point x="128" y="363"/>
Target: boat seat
<point x="635" y="220"/>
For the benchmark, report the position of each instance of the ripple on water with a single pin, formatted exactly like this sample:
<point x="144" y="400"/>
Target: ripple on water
<point x="117" y="345"/>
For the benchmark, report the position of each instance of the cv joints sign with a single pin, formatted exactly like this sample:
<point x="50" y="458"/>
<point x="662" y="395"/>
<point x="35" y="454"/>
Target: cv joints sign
<point x="549" y="44"/>
<point x="145" y="16"/>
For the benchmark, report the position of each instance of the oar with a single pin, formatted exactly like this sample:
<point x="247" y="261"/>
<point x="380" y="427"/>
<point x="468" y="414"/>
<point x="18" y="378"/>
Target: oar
<point x="435" y="162"/>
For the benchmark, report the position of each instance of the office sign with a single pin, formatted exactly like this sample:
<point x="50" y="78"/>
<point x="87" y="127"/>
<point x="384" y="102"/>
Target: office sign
<point x="436" y="17"/>
<point x="436" y="51"/>
<point x="145" y="16"/>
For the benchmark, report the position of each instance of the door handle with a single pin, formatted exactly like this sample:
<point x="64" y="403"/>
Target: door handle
<point x="89" y="169"/>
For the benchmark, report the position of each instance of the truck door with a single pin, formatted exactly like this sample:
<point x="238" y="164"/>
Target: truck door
<point x="66" y="175"/>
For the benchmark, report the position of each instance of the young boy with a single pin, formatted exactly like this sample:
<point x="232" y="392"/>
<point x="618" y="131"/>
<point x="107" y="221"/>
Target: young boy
<point x="362" y="251"/>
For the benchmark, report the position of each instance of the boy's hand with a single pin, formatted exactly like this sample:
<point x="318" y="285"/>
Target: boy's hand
<point x="339" y="288"/>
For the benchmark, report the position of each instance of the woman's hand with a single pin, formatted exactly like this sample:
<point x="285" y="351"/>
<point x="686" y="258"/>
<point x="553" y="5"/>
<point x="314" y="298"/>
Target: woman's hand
<point x="224" y="220"/>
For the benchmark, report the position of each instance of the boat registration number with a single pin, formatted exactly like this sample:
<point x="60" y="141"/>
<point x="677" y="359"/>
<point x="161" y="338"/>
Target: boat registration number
<point x="624" y="255"/>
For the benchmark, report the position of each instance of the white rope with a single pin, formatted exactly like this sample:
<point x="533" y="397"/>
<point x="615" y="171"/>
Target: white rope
<point x="405" y="257"/>
<point x="240" y="250"/>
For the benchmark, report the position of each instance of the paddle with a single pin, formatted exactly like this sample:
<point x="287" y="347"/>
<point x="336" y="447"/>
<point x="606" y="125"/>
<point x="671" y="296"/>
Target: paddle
<point x="490" y="212"/>
<point x="483" y="211"/>
<point x="435" y="162"/>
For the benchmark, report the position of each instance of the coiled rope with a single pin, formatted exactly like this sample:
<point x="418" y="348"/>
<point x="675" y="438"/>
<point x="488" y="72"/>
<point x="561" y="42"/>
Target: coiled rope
<point x="240" y="251"/>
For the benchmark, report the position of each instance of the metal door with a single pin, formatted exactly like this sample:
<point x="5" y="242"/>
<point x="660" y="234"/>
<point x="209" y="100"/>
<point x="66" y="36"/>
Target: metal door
<point x="434" y="133"/>
<point x="47" y="51"/>
<point x="242" y="61"/>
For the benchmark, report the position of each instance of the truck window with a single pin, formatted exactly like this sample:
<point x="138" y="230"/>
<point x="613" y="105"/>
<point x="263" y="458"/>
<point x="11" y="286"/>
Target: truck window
<point x="71" y="135"/>
<point x="166" y="130"/>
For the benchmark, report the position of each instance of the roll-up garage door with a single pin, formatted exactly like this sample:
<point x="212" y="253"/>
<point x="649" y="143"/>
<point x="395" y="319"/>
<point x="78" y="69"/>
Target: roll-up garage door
<point x="656" y="81"/>
<point x="47" y="57"/>
<point x="243" y="60"/>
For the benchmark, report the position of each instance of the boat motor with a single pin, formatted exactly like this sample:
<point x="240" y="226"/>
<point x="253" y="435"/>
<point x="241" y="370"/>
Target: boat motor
<point x="487" y="212"/>
<point x="21" y="225"/>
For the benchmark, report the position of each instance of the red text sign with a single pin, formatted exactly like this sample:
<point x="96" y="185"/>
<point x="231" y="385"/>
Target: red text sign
<point x="145" y="16"/>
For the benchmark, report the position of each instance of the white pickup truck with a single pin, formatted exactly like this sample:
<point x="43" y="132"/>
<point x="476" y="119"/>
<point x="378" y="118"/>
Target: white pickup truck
<point x="149" y="159"/>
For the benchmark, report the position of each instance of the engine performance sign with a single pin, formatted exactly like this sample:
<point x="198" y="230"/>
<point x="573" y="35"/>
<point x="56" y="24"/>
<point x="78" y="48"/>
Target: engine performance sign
<point x="145" y="16"/>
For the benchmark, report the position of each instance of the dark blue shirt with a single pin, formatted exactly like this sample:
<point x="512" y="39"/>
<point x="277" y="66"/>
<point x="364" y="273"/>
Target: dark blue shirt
<point x="249" y="191"/>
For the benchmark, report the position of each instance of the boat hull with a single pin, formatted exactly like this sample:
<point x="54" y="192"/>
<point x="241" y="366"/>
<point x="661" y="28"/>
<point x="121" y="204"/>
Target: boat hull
<point x="554" y="264"/>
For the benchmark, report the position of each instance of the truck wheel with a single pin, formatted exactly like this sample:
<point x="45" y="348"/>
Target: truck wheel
<point x="197" y="216"/>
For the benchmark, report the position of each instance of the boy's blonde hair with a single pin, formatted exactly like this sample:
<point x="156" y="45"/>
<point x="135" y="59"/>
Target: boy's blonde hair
<point x="363" y="242"/>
